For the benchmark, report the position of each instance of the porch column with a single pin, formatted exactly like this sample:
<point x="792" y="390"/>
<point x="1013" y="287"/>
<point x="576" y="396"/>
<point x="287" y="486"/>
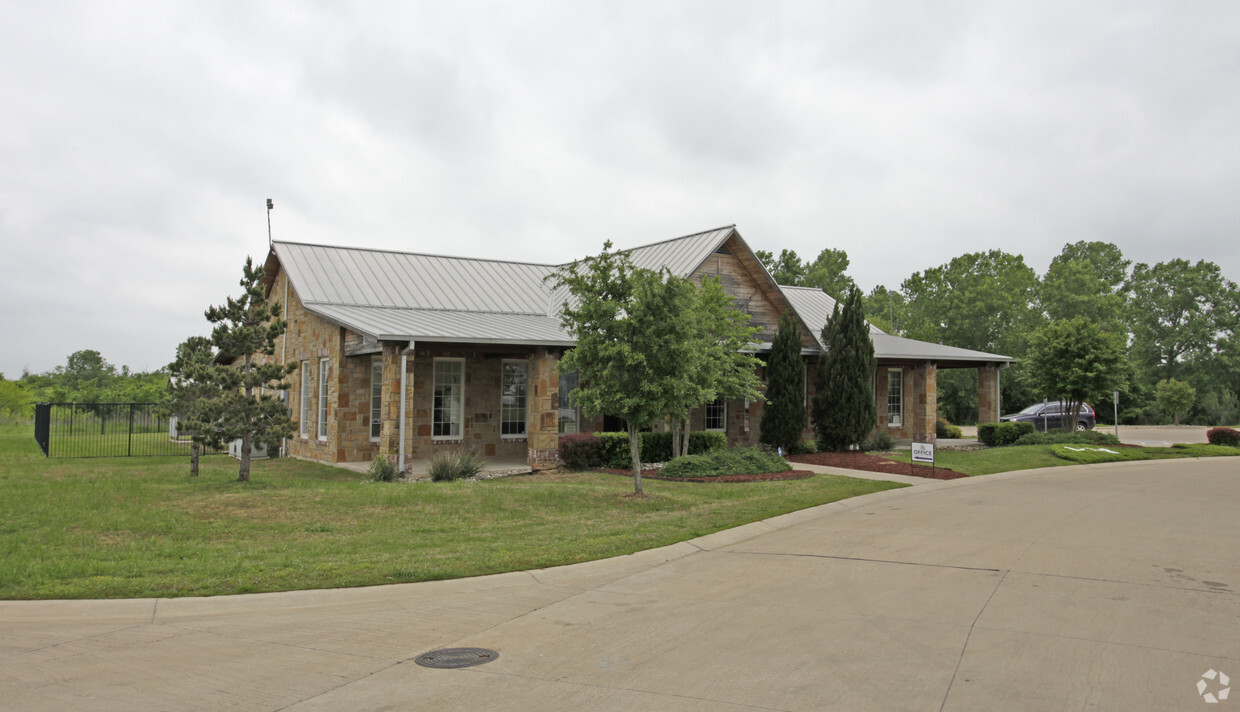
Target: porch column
<point x="389" y="403"/>
<point x="925" y="402"/>
<point x="544" y="399"/>
<point x="988" y="394"/>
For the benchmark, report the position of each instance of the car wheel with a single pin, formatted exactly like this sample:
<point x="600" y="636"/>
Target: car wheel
<point x="1082" y="426"/>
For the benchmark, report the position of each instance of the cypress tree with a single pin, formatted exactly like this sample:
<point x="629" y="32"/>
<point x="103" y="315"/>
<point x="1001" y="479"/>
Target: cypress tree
<point x="784" y="418"/>
<point x="844" y="409"/>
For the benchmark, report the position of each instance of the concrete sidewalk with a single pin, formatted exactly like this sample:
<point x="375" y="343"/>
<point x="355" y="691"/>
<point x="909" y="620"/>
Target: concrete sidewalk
<point x="1103" y="587"/>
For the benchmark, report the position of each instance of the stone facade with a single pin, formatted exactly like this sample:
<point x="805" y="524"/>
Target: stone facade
<point x="988" y="394"/>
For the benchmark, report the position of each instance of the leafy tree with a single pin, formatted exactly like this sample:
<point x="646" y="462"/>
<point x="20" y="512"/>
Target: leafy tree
<point x="246" y="329"/>
<point x="1175" y="397"/>
<point x="844" y="408"/>
<point x="649" y="344"/>
<point x="1074" y="360"/>
<point x="1180" y="313"/>
<point x="193" y="396"/>
<point x="784" y="418"/>
<point x="16" y="402"/>
<point x="885" y="309"/>
<point x="827" y="272"/>
<point x="1086" y="279"/>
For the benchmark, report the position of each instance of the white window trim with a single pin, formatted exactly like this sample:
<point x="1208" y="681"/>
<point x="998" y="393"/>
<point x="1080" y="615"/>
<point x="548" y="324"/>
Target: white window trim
<point x="434" y="380"/>
<point x="324" y="392"/>
<point x="376" y="398"/>
<point x="303" y="428"/>
<point x="514" y="436"/>
<point x="724" y="419"/>
<point x="898" y="420"/>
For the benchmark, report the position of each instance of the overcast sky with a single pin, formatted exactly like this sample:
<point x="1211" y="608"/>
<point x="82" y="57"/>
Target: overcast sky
<point x="140" y="141"/>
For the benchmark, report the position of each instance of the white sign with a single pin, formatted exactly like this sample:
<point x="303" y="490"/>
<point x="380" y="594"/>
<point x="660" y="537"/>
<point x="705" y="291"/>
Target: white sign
<point x="923" y="452"/>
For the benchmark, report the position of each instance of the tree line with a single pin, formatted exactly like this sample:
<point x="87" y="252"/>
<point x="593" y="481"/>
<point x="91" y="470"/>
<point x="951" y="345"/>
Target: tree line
<point x="1174" y="324"/>
<point x="86" y="377"/>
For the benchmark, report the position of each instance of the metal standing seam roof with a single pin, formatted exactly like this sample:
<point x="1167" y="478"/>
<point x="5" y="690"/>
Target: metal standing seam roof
<point x="816" y="306"/>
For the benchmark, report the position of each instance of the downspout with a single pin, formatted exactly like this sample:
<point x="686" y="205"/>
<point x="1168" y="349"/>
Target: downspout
<point x="404" y="360"/>
<point x="284" y="356"/>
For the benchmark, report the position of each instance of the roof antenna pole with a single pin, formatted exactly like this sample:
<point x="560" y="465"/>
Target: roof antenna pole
<point x="270" y="205"/>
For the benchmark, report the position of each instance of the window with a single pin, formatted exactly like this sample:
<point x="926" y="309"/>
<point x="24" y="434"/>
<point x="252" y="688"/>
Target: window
<point x="895" y="398"/>
<point x="376" y="397"/>
<point x="449" y="398"/>
<point x="716" y="414"/>
<point x="305" y="399"/>
<point x="324" y="368"/>
<point x="568" y="414"/>
<point x="512" y="399"/>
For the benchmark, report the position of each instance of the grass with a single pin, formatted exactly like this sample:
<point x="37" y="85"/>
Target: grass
<point x="141" y="527"/>
<point x="1026" y="457"/>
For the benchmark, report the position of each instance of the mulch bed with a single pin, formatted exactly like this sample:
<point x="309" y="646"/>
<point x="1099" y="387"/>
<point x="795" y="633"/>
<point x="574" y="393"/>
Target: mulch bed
<point x="767" y="477"/>
<point x="854" y="460"/>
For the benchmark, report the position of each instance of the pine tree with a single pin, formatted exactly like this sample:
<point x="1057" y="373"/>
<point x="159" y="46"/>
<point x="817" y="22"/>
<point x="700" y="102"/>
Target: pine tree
<point x="784" y="417"/>
<point x="244" y="329"/>
<point x="844" y="408"/>
<point x="193" y="395"/>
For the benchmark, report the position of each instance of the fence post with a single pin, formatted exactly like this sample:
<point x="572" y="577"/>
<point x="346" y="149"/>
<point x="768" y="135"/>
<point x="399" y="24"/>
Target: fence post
<point x="129" y="445"/>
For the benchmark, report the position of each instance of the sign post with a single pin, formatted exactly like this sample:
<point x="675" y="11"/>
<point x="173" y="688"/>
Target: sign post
<point x="922" y="452"/>
<point x="1115" y="400"/>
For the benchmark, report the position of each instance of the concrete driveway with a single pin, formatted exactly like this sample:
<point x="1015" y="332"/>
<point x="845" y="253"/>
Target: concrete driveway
<point x="1104" y="587"/>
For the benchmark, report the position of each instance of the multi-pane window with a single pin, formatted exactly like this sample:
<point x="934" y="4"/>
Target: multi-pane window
<point x="568" y="414"/>
<point x="376" y="397"/>
<point x="324" y="368"/>
<point x="512" y="399"/>
<point x="716" y="414"/>
<point x="305" y="399"/>
<point x="895" y="397"/>
<point x="449" y="398"/>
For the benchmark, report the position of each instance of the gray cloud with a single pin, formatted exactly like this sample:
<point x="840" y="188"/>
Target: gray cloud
<point x="140" y="140"/>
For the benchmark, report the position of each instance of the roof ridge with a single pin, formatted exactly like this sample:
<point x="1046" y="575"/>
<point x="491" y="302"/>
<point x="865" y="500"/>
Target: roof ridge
<point x="415" y="254"/>
<point x="682" y="237"/>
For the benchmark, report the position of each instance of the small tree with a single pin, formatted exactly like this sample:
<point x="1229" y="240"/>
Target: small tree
<point x="192" y="395"/>
<point x="784" y="418"/>
<point x="844" y="408"/>
<point x="1175" y="397"/>
<point x="1072" y="360"/>
<point x="245" y="328"/>
<point x="649" y="344"/>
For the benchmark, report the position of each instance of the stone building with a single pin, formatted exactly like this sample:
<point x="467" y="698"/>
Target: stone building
<point x="405" y="355"/>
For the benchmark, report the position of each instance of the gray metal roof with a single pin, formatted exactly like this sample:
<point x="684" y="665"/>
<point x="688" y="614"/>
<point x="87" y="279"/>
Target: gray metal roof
<point x="375" y="278"/>
<point x="387" y="324"/>
<point x="815" y="307"/>
<point x="680" y="255"/>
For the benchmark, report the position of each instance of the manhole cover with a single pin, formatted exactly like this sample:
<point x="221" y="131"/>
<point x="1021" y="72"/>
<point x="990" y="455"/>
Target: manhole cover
<point x="456" y="657"/>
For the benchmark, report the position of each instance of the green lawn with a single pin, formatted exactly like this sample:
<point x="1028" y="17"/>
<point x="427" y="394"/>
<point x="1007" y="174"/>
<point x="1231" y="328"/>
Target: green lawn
<point x="138" y="527"/>
<point x="1026" y="457"/>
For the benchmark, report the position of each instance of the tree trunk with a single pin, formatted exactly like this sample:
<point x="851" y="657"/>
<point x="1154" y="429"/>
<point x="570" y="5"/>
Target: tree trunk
<point x="635" y="453"/>
<point x="194" y="449"/>
<point x="675" y="438"/>
<point x="244" y="474"/>
<point x="684" y="445"/>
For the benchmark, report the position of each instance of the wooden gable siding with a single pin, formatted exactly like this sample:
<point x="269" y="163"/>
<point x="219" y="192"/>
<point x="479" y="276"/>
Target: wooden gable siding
<point x="742" y="276"/>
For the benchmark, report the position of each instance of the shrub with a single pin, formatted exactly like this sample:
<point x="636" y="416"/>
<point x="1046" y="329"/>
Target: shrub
<point x="580" y="451"/>
<point x="455" y="465"/>
<point x="805" y="447"/>
<point x="613" y="448"/>
<point x="1087" y="437"/>
<point x="998" y="434"/>
<point x="740" y="461"/>
<point x="878" y="441"/>
<point x="382" y="470"/>
<point x="954" y="433"/>
<point x="1223" y="436"/>
<point x="940" y="427"/>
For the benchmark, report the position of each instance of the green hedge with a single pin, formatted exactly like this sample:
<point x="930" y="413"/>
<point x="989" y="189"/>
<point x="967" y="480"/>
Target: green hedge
<point x="1088" y="437"/>
<point x="582" y="450"/>
<point x="740" y="461"/>
<point x="998" y="434"/>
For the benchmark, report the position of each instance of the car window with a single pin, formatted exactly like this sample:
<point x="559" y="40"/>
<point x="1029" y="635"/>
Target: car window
<point x="1030" y="410"/>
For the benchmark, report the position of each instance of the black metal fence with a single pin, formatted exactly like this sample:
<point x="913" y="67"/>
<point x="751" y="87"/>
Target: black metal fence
<point x="107" y="430"/>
